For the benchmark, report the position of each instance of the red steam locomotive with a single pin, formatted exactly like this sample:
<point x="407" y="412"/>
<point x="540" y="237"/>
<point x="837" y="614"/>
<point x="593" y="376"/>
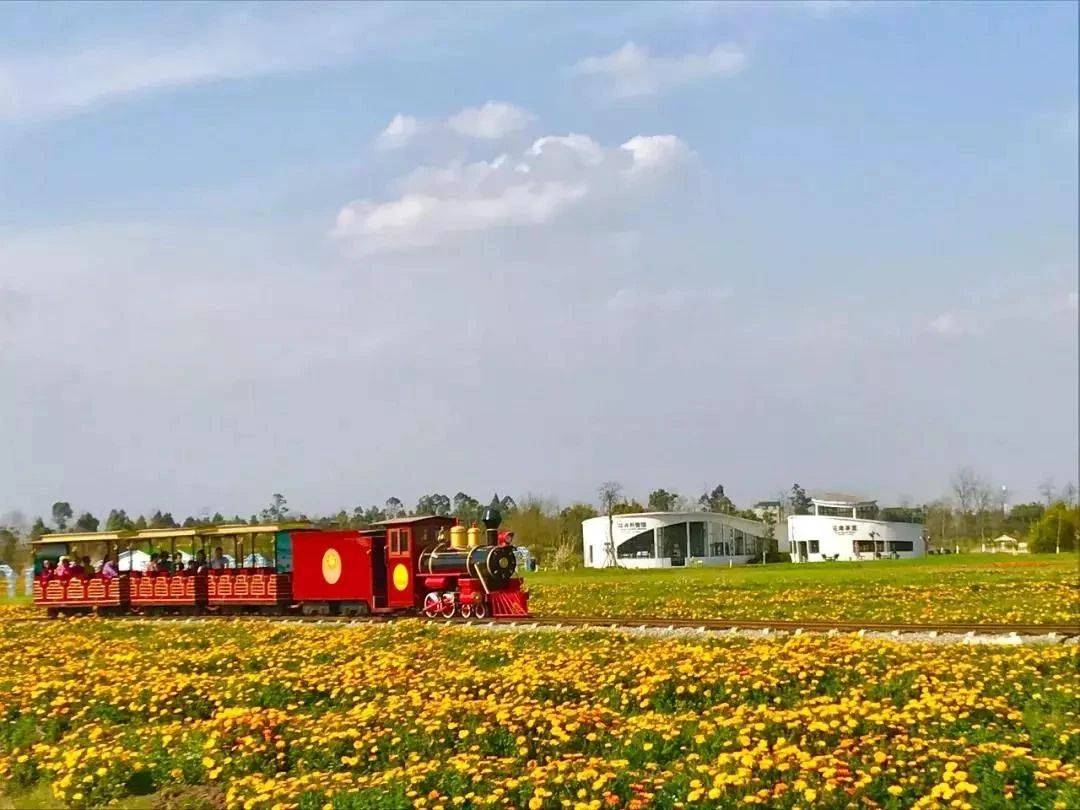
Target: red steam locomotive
<point x="428" y="564"/>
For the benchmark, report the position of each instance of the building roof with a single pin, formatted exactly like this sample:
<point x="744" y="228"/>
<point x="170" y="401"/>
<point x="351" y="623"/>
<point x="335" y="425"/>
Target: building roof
<point x="828" y="498"/>
<point x="676" y="517"/>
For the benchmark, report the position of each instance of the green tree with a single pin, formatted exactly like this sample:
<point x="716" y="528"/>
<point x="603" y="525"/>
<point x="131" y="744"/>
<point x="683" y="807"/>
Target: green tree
<point x="277" y="511"/>
<point x="660" y="500"/>
<point x="800" y="501"/>
<point x="365" y="517"/>
<point x="536" y="525"/>
<point x="434" y="504"/>
<point x="87" y="523"/>
<point x="9" y="547"/>
<point x="1022" y="517"/>
<point x="139" y="524"/>
<point x="507" y="504"/>
<point x="610" y="496"/>
<point x="218" y="518"/>
<point x="716" y="501"/>
<point x="768" y="517"/>
<point x="394" y="508"/>
<point x="466" y="508"/>
<point x="117" y="521"/>
<point x="38" y="530"/>
<point x="628" y="507"/>
<point x="1056" y="530"/>
<point x="62" y="513"/>
<point x="164" y="521"/>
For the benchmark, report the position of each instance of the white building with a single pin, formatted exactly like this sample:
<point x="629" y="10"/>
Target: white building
<point x="666" y="539"/>
<point x="841" y="527"/>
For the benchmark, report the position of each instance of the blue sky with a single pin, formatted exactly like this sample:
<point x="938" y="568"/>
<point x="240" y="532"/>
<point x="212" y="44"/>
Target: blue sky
<point x="353" y="251"/>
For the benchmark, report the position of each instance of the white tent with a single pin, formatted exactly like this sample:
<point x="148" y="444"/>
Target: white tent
<point x="133" y="560"/>
<point x="136" y="559"/>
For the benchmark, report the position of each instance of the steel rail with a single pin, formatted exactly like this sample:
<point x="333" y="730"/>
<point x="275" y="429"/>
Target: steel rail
<point x="631" y="622"/>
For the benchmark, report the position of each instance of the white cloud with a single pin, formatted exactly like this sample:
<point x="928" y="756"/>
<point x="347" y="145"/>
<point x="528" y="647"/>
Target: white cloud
<point x="400" y="130"/>
<point x="492" y="121"/>
<point x="553" y="176"/>
<point x="634" y="301"/>
<point x="952" y="324"/>
<point x="245" y="41"/>
<point x="633" y="71"/>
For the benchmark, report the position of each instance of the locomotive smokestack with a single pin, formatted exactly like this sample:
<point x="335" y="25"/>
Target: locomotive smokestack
<point x="491" y="520"/>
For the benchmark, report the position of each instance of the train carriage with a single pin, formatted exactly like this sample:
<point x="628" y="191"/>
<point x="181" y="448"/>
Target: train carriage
<point x="266" y="587"/>
<point x="426" y="564"/>
<point x="79" y="594"/>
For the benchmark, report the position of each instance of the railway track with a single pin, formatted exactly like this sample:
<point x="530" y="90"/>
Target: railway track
<point x="703" y="625"/>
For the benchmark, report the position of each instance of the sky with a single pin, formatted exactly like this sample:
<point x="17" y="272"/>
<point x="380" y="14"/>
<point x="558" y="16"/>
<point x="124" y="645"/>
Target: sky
<point x="347" y="252"/>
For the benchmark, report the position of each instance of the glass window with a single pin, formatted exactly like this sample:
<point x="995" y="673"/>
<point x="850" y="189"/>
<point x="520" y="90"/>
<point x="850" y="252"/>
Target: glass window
<point x="814" y="547"/>
<point x="902" y="545"/>
<point x="640" y="545"/>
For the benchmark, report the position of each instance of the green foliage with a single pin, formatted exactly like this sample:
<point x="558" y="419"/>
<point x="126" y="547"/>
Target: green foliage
<point x="9" y="546"/>
<point x="62" y="513"/>
<point x="800" y="501"/>
<point x="433" y="504"/>
<point x="277" y="511"/>
<point x="162" y="521"/>
<point x="716" y="501"/>
<point x="1059" y="527"/>
<point x="466" y="508"/>
<point x="660" y="500"/>
<point x="38" y="529"/>
<point x="87" y="523"/>
<point x="117" y="521"/>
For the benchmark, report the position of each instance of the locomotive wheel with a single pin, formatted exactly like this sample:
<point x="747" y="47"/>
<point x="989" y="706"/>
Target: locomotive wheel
<point x="466" y="611"/>
<point x="480" y="610"/>
<point x="449" y="607"/>
<point x="432" y="605"/>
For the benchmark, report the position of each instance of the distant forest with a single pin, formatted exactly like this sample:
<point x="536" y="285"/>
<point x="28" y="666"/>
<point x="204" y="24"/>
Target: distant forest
<point x="970" y="514"/>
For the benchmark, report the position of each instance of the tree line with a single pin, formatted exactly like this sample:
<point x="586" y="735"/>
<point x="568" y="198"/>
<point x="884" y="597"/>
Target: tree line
<point x="971" y="514"/>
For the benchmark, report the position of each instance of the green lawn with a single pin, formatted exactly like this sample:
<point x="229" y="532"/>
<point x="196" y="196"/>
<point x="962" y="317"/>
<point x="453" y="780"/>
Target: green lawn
<point x="961" y="588"/>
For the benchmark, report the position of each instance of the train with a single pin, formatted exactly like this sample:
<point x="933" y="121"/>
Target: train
<point x="428" y="565"/>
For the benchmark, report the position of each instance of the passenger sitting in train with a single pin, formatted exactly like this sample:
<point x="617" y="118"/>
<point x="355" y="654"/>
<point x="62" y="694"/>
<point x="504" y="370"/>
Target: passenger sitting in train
<point x="163" y="566"/>
<point x="178" y="563"/>
<point x="86" y="566"/>
<point x="108" y="569"/>
<point x="218" y="561"/>
<point x="64" y="568"/>
<point x="192" y="567"/>
<point x="48" y="571"/>
<point x="200" y="561"/>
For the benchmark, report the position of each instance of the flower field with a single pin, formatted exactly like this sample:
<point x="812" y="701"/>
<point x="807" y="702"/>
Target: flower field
<point x="250" y="715"/>
<point x="967" y="588"/>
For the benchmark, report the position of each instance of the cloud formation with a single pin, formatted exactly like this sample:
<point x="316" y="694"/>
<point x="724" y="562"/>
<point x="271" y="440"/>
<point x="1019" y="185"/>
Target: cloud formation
<point x="556" y="174"/>
<point x="490" y="122"/>
<point x="632" y="71"/>
<point x="952" y="324"/>
<point x="398" y="133"/>
<point x="242" y="42"/>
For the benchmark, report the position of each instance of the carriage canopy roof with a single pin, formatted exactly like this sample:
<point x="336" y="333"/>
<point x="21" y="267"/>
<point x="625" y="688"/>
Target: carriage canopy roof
<point x="84" y="537"/>
<point x="156" y="534"/>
